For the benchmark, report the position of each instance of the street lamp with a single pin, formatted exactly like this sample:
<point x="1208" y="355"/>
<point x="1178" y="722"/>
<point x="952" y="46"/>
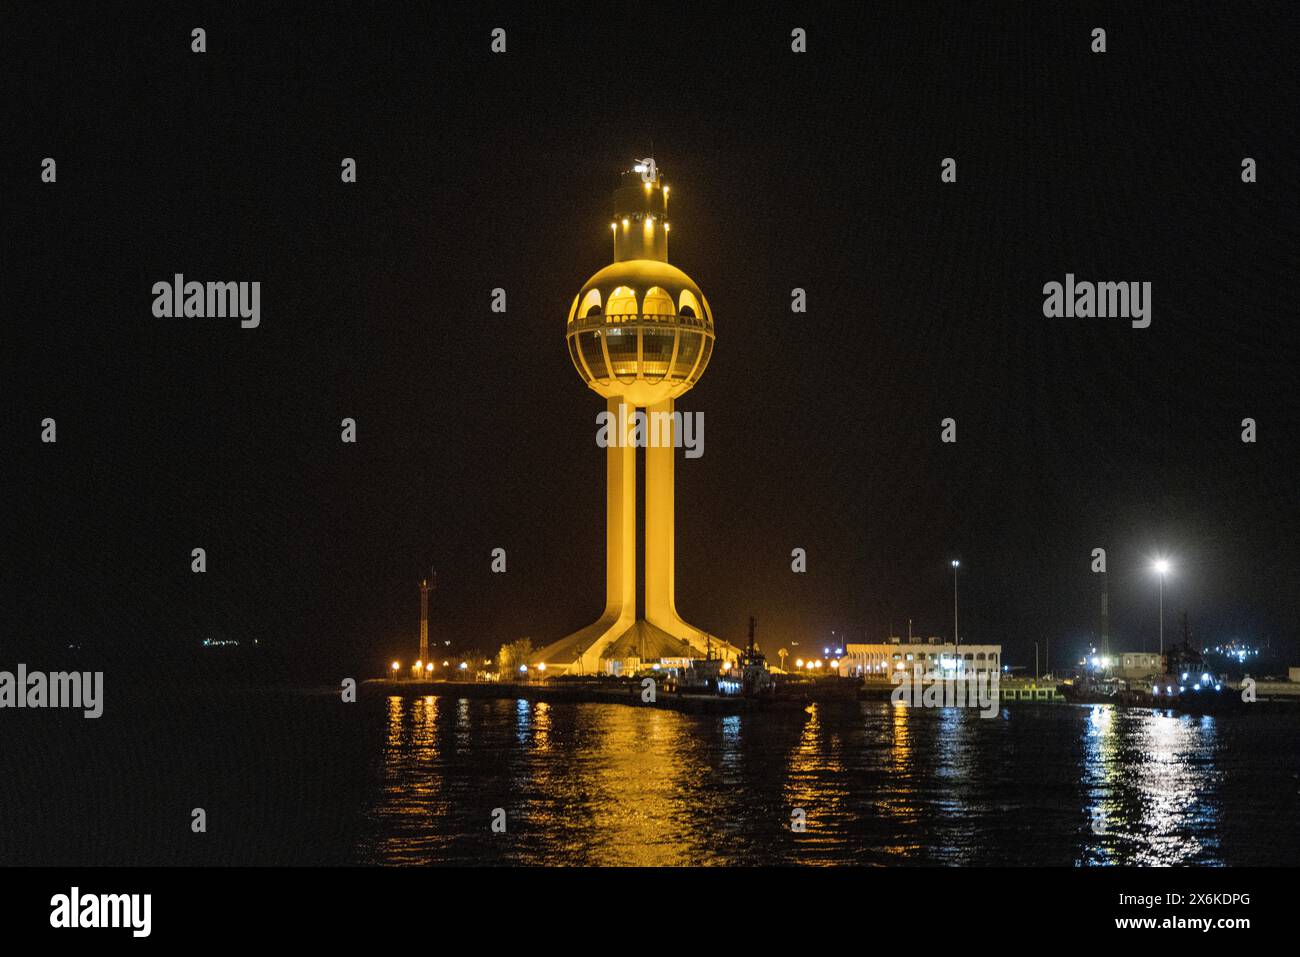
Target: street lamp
<point x="1161" y="567"/>
<point x="956" y="639"/>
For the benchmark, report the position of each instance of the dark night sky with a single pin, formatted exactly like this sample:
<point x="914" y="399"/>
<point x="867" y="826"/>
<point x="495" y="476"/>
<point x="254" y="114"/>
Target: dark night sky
<point x="822" y="431"/>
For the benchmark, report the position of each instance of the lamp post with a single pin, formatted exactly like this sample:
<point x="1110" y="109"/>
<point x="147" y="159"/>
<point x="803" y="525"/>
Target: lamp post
<point x="956" y="637"/>
<point x="1162" y="568"/>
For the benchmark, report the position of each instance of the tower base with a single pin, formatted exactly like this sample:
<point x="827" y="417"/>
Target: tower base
<point x="613" y="647"/>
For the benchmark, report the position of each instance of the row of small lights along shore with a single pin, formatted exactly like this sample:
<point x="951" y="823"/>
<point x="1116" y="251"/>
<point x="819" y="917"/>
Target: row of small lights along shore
<point x="463" y="666"/>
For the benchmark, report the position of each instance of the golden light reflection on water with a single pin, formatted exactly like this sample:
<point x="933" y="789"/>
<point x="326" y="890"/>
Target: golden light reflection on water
<point x="643" y="806"/>
<point x="815" y="781"/>
<point x="542" y="727"/>
<point x="897" y="804"/>
<point x="620" y="793"/>
<point x="410" y="792"/>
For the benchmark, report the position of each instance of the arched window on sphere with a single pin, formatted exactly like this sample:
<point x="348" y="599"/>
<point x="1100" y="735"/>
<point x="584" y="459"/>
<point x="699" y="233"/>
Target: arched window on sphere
<point x="620" y="340"/>
<point x="621" y="302"/>
<point x="657" y="343"/>
<point x="658" y="303"/>
<point x="689" y="305"/>
<point x="590" y="304"/>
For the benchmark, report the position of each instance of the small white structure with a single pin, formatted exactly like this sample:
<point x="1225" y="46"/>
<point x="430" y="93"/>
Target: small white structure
<point x="1138" y="664"/>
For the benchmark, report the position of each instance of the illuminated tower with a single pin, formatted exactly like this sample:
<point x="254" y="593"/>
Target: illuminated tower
<point x="640" y="333"/>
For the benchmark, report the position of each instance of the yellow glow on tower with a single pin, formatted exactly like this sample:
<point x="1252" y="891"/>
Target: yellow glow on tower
<point x="640" y="334"/>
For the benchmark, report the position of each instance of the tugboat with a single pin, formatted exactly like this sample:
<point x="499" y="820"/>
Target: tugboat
<point x="755" y="680"/>
<point x="748" y="676"/>
<point x="707" y="675"/>
<point x="1186" y="685"/>
<point x="1199" y="691"/>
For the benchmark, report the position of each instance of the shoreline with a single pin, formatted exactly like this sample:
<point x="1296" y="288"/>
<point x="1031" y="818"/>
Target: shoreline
<point x="712" y="704"/>
<point x="580" y="694"/>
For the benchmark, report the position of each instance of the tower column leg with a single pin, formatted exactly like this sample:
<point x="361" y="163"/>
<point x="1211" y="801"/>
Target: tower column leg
<point x="620" y="548"/>
<point x="424" y="622"/>
<point x="620" y="542"/>
<point x="660" y="529"/>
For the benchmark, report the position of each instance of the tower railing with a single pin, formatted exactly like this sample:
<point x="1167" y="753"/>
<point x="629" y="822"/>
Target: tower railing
<point x="634" y="320"/>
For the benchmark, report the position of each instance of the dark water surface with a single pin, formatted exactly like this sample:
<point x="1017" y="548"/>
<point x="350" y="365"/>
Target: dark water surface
<point x="300" y="778"/>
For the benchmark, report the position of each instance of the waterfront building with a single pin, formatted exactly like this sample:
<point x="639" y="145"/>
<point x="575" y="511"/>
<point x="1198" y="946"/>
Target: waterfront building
<point x="883" y="659"/>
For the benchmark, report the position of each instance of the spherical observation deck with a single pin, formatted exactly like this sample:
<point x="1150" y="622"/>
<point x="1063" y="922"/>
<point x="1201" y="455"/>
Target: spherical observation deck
<point x="641" y="329"/>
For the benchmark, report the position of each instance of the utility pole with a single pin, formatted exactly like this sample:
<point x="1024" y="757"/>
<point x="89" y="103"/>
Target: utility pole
<point x="1105" y="616"/>
<point x="956" y="636"/>
<point x="1162" y="614"/>
<point x="424" y="620"/>
<point x="1161" y="568"/>
<point x="425" y="587"/>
